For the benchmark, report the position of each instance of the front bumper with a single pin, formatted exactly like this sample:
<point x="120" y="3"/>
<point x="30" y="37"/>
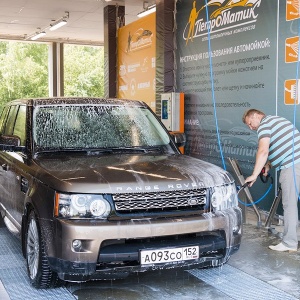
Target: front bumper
<point x="111" y="249"/>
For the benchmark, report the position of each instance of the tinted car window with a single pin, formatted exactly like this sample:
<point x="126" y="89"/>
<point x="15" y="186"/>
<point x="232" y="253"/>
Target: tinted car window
<point x="10" y="123"/>
<point x="20" y="125"/>
<point x="3" y="118"/>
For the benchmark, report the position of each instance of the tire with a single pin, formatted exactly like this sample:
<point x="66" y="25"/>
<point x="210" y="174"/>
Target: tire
<point x="39" y="272"/>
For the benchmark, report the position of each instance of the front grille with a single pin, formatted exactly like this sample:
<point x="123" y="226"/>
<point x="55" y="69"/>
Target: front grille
<point x="169" y="200"/>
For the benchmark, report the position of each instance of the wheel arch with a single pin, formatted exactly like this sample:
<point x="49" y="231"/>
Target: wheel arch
<point x="40" y="199"/>
<point x="27" y="209"/>
<point x="39" y="272"/>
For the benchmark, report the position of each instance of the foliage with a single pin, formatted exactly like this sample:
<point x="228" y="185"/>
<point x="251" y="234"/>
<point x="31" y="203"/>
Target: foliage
<point x="24" y="70"/>
<point x="85" y="76"/>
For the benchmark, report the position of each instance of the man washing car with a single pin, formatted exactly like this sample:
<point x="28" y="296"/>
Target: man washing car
<point x="279" y="147"/>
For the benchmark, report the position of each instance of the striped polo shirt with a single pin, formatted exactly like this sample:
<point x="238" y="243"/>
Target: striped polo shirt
<point x="284" y="141"/>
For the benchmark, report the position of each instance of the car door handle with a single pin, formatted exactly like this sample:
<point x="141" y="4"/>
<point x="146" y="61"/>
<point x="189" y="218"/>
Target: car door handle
<point x="4" y="167"/>
<point x="24" y="184"/>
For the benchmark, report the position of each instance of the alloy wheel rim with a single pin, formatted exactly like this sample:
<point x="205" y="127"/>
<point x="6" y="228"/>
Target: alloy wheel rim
<point x="32" y="249"/>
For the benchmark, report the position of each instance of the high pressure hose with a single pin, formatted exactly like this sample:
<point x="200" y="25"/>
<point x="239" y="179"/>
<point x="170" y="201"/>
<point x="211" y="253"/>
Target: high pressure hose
<point x="212" y="89"/>
<point x="215" y="110"/>
<point x="264" y="195"/>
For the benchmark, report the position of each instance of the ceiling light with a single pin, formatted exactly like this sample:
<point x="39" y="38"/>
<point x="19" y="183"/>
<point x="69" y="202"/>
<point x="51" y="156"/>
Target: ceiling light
<point x="148" y="10"/>
<point x="60" y="22"/>
<point x="38" y="35"/>
<point x="54" y="25"/>
<point x="58" y="25"/>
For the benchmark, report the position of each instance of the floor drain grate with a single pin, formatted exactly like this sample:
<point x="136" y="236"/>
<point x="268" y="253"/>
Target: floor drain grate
<point x="13" y="274"/>
<point x="239" y="285"/>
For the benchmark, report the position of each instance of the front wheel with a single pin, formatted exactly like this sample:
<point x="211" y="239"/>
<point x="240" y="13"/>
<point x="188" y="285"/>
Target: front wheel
<point x="39" y="272"/>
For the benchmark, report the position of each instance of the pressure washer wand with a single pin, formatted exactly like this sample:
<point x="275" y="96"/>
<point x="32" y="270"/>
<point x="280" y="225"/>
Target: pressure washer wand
<point x="243" y="186"/>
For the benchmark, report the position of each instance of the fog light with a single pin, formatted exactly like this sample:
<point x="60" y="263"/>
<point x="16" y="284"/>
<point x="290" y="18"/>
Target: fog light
<point x="77" y="244"/>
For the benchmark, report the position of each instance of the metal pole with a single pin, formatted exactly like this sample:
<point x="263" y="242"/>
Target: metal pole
<point x="241" y="180"/>
<point x="273" y="208"/>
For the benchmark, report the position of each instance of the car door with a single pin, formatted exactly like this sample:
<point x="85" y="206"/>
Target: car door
<point x="12" y="172"/>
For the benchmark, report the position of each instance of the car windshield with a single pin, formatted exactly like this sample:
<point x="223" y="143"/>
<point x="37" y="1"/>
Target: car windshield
<point x="68" y="127"/>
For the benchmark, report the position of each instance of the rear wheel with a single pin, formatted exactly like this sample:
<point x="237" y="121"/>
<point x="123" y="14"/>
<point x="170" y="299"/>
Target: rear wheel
<point x="39" y="272"/>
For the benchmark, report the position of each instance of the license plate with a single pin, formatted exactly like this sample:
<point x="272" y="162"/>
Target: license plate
<point x="168" y="255"/>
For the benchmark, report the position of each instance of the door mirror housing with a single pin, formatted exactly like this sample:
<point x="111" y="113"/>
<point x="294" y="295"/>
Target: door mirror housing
<point x="179" y="138"/>
<point x="10" y="143"/>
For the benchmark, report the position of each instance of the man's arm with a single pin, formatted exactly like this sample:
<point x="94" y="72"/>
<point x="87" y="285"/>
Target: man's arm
<point x="261" y="159"/>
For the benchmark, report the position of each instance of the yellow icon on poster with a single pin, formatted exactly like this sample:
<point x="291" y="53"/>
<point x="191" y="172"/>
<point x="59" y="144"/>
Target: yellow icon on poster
<point x="292" y="10"/>
<point x="292" y="49"/>
<point x="291" y="91"/>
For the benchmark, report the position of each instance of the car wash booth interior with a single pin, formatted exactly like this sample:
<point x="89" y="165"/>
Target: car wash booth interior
<point x="199" y="65"/>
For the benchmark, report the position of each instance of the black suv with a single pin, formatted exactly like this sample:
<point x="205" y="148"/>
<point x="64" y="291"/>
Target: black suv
<point x="97" y="189"/>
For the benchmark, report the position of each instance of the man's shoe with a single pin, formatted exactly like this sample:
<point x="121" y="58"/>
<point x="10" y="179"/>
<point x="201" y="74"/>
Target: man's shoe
<point x="282" y="248"/>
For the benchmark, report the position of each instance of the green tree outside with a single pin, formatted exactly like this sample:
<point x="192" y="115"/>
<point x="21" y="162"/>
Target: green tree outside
<point x="24" y="70"/>
<point x="84" y="70"/>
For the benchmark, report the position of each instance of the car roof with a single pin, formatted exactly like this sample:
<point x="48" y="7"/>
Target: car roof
<point x="76" y="101"/>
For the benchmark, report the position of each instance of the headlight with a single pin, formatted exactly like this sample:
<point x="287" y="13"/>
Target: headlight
<point x="224" y="197"/>
<point x="81" y="206"/>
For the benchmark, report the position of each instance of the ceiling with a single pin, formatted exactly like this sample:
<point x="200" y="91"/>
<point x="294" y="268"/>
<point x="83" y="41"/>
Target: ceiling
<point x="22" y="18"/>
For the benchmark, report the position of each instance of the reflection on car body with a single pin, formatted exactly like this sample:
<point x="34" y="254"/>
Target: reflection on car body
<point x="97" y="189"/>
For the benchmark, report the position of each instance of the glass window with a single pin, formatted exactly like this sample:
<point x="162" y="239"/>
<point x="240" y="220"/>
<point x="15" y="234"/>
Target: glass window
<point x="24" y="70"/>
<point x="83" y="70"/>
<point x="96" y="126"/>
<point x="20" y="125"/>
<point x="10" y="123"/>
<point x="3" y="118"/>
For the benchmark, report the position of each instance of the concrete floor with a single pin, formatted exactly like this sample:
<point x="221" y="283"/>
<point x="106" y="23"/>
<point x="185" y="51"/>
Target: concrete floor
<point x="254" y="272"/>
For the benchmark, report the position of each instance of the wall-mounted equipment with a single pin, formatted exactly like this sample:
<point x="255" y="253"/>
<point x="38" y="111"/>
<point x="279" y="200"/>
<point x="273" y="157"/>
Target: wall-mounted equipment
<point x="172" y="111"/>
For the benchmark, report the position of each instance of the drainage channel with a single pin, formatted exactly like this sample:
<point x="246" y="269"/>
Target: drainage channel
<point x="14" y="283"/>
<point x="239" y="285"/>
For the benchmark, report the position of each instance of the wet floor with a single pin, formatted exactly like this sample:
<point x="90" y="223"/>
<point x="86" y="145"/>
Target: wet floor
<point x="169" y="284"/>
<point x="254" y="272"/>
<point x="264" y="269"/>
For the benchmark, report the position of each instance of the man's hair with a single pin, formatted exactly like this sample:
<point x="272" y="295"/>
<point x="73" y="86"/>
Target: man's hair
<point x="251" y="112"/>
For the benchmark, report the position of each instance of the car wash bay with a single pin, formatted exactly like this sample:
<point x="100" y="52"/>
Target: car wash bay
<point x="254" y="272"/>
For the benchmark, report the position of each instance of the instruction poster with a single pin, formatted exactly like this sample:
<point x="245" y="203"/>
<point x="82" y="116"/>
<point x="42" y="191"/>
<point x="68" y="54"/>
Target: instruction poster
<point x="232" y="56"/>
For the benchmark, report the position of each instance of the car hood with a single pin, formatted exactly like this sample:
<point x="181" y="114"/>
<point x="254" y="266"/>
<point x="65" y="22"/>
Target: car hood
<point x="128" y="173"/>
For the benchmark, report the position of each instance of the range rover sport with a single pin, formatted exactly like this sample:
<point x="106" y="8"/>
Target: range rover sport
<point x="97" y="189"/>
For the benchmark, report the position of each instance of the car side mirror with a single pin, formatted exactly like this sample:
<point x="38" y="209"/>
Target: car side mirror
<point x="10" y="143"/>
<point x="179" y="138"/>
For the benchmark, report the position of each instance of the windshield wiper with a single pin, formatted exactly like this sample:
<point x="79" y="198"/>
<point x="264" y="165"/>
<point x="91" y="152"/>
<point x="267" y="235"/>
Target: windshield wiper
<point x="95" y="151"/>
<point x="137" y="149"/>
<point x="70" y="150"/>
